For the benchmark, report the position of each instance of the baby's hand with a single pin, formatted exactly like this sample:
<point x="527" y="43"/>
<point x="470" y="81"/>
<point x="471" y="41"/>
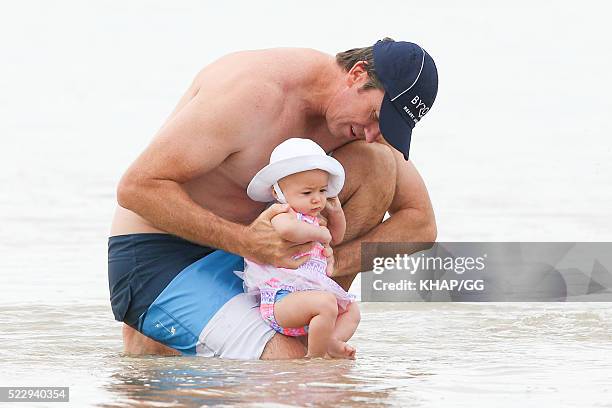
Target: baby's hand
<point x="325" y="236"/>
<point x="322" y="220"/>
<point x="333" y="205"/>
<point x="329" y="254"/>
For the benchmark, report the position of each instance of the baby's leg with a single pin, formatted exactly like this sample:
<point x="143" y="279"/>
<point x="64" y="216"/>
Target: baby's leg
<point x="317" y="309"/>
<point x="346" y="324"/>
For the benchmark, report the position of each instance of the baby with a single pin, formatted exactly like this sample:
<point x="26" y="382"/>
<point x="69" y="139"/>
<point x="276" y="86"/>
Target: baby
<point x="304" y="301"/>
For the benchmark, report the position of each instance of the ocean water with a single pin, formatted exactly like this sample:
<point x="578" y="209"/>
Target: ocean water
<point x="459" y="355"/>
<point x="517" y="148"/>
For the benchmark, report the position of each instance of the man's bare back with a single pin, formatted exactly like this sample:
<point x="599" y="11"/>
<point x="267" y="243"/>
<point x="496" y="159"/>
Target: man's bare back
<point x="251" y="79"/>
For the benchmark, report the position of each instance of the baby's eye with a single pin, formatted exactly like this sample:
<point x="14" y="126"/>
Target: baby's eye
<point x="306" y="192"/>
<point x="323" y="190"/>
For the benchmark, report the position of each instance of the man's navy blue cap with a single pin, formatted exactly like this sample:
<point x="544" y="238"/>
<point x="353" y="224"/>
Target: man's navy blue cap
<point x="410" y="79"/>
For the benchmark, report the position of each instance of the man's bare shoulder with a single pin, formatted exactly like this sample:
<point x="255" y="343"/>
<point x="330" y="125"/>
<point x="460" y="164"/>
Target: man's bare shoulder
<point x="251" y="94"/>
<point x="238" y="91"/>
<point x="266" y="77"/>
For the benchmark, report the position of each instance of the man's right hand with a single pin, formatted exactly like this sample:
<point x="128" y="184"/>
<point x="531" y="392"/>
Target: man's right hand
<point x="262" y="244"/>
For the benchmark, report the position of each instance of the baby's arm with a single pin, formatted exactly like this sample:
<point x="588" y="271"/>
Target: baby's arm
<point x="297" y="231"/>
<point x="336" y="222"/>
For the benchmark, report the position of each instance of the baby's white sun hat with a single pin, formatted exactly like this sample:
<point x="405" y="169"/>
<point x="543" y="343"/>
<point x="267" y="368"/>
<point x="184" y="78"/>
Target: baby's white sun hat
<point x="293" y="156"/>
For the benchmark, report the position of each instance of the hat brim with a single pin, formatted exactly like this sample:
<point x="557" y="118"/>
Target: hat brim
<point x="260" y="187"/>
<point x="394" y="128"/>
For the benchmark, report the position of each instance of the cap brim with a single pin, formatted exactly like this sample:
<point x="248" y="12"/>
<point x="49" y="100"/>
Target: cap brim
<point x="394" y="128"/>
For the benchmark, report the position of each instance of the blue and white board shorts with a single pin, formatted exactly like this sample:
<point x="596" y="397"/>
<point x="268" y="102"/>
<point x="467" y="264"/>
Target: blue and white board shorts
<point x="185" y="296"/>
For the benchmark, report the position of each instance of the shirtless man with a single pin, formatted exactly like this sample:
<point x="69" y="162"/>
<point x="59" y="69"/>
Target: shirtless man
<point x="184" y="220"/>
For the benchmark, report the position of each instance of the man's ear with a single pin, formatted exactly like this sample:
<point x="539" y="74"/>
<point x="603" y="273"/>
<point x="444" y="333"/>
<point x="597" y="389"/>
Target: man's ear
<point x="358" y="74"/>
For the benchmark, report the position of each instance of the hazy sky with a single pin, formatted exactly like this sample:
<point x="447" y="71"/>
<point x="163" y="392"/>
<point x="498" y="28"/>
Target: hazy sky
<point x="521" y="117"/>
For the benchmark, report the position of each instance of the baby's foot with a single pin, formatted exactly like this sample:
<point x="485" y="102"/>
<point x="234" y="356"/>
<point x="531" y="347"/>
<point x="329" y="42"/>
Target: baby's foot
<point x="340" y="349"/>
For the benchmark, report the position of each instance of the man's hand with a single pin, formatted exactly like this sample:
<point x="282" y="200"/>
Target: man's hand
<point x="263" y="244"/>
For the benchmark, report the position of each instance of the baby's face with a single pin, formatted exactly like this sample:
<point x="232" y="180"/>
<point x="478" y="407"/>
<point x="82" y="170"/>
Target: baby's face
<point x="306" y="192"/>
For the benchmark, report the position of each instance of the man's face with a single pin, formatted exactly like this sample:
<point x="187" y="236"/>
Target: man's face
<point x="353" y="112"/>
<point x="306" y="192"/>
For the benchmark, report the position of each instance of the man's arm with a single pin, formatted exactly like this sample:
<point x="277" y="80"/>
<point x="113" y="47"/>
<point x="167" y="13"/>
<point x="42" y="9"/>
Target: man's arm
<point x="190" y="144"/>
<point x="411" y="220"/>
<point x="193" y="142"/>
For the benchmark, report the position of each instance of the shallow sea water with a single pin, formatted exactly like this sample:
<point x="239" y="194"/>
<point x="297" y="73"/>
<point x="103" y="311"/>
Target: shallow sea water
<point x="510" y="152"/>
<point x="417" y="354"/>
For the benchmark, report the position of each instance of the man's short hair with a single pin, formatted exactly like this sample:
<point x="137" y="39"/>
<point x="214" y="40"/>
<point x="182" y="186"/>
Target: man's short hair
<point x="349" y="58"/>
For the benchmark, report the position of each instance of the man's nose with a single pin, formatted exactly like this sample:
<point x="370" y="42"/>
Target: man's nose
<point x="372" y="132"/>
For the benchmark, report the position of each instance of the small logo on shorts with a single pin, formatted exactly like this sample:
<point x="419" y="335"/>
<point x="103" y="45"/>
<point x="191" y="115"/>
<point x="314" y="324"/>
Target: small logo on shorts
<point x="172" y="330"/>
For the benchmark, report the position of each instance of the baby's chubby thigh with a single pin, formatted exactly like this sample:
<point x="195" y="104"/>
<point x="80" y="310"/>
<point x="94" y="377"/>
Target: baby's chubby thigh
<point x="298" y="308"/>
